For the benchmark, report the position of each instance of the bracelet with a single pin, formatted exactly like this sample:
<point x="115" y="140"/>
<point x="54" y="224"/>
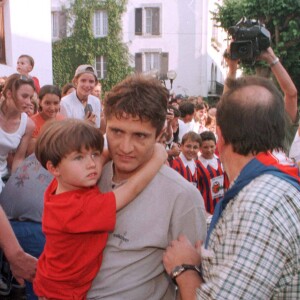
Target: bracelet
<point x="274" y="62"/>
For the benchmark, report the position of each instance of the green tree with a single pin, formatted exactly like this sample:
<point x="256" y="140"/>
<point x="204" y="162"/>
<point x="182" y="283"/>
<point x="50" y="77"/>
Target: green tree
<point x="281" y="18"/>
<point x="81" y="47"/>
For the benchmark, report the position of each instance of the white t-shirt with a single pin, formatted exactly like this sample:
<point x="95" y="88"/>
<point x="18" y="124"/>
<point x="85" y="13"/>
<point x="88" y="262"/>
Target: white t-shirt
<point x="71" y="107"/>
<point x="184" y="128"/>
<point x="9" y="142"/>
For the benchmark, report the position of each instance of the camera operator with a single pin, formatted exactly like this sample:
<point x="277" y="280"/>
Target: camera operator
<point x="285" y="82"/>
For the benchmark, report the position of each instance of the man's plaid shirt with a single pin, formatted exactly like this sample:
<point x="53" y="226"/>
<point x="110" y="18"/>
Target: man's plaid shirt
<point x="255" y="246"/>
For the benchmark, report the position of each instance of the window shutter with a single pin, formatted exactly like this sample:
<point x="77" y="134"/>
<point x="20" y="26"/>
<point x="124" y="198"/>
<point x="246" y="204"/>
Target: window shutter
<point x="164" y="65"/>
<point x="138" y="63"/>
<point x="138" y="21"/>
<point x="62" y="23"/>
<point x="2" y="37"/>
<point x="155" y="21"/>
<point x="105" y="23"/>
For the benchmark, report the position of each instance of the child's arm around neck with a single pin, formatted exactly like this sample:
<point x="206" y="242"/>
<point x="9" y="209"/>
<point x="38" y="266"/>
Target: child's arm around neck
<point x="137" y="182"/>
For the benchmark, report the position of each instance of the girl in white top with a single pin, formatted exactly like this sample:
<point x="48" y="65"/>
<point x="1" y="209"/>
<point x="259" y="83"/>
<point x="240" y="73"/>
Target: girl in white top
<point x="15" y="126"/>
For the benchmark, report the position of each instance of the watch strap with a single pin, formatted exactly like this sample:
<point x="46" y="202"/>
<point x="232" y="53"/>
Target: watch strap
<point x="181" y="269"/>
<point x="274" y="62"/>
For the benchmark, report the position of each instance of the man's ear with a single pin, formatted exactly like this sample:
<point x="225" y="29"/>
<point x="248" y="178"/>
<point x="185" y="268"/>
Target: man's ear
<point x="52" y="170"/>
<point x="74" y="81"/>
<point x="220" y="137"/>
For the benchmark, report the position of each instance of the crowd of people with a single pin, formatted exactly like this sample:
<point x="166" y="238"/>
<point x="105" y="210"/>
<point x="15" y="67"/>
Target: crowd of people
<point x="143" y="195"/>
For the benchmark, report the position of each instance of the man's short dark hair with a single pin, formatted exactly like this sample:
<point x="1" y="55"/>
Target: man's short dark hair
<point x="186" y="108"/>
<point x="252" y="122"/>
<point x="175" y="111"/>
<point x="200" y="106"/>
<point x="138" y="96"/>
<point x="208" y="136"/>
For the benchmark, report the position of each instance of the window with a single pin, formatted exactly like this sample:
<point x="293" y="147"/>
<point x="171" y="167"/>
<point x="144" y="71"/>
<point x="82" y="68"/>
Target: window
<point x="59" y="24"/>
<point x="100" y="23"/>
<point x="152" y="61"/>
<point x="101" y="67"/>
<point x="213" y="77"/>
<point x="151" y="24"/>
<point x="55" y="25"/>
<point x="2" y="35"/>
<point x="147" y="61"/>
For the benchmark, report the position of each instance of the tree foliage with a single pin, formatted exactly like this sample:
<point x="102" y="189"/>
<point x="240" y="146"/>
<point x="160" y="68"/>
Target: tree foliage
<point x="81" y="47"/>
<point x="281" y="18"/>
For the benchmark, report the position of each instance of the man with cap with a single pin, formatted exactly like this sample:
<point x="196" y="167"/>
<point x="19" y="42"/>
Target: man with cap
<point x="81" y="104"/>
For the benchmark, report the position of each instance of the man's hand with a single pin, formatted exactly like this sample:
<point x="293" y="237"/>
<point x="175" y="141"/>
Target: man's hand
<point x="170" y="116"/>
<point x="231" y="63"/>
<point x="181" y="251"/>
<point x="175" y="150"/>
<point x="267" y="55"/>
<point x="160" y="153"/>
<point x="23" y="266"/>
<point x="90" y="117"/>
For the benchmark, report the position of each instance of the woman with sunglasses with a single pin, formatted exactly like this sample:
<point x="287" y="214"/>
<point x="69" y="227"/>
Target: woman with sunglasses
<point x="15" y="126"/>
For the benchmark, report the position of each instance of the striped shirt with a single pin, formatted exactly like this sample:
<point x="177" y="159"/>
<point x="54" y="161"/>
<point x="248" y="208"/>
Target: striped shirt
<point x="211" y="191"/>
<point x="183" y="169"/>
<point x="255" y="246"/>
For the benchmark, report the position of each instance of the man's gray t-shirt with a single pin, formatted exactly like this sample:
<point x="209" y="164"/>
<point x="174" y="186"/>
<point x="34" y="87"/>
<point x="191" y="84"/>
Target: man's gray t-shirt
<point x="132" y="263"/>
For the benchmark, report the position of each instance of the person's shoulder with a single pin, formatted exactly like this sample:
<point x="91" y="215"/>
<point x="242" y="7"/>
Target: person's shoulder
<point x="59" y="117"/>
<point x="34" y="78"/>
<point x="93" y="100"/>
<point x="68" y="97"/>
<point x="26" y="186"/>
<point x="171" y="179"/>
<point x="35" y="117"/>
<point x="30" y="124"/>
<point x="201" y="162"/>
<point x="175" y="161"/>
<point x="266" y="193"/>
<point x="176" y="191"/>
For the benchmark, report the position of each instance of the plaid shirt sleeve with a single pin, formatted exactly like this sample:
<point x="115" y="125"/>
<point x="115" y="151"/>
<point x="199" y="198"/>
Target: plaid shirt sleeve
<point x="255" y="247"/>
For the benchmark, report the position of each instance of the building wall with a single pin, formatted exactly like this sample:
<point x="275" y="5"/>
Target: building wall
<point x="28" y="31"/>
<point x="186" y="35"/>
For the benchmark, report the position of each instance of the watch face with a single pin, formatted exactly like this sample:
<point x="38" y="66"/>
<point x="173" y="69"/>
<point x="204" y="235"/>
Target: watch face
<point x="177" y="270"/>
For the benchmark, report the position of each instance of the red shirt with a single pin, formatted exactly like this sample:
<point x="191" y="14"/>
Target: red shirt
<point x="39" y="122"/>
<point x="36" y="84"/>
<point x="76" y="226"/>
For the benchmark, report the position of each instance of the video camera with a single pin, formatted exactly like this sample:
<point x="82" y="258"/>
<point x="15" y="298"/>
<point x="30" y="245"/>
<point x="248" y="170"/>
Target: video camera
<point x="249" y="39"/>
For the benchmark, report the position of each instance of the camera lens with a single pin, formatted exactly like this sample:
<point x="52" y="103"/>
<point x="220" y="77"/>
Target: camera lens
<point x="243" y="50"/>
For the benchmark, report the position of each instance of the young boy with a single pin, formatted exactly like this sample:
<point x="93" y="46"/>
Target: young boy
<point x="185" y="164"/>
<point x="77" y="217"/>
<point x="212" y="179"/>
<point x="25" y="65"/>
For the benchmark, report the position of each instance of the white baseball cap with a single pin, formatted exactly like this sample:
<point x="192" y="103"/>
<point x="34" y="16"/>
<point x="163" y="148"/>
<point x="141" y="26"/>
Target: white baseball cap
<point x="86" y="69"/>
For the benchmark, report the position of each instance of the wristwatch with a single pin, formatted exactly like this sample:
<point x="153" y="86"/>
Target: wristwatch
<point x="182" y="268"/>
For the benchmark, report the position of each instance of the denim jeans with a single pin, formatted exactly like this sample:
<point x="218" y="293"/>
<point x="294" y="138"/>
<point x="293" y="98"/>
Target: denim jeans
<point x="32" y="240"/>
